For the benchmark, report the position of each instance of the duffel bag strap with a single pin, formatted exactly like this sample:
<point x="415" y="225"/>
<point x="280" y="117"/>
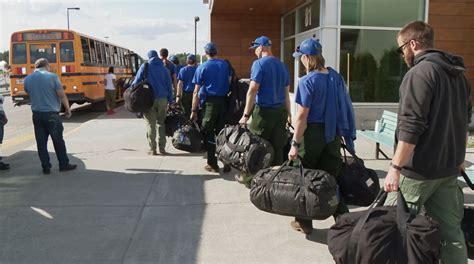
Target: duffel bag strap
<point x="286" y="163"/>
<point x="354" y="239"/>
<point x="403" y="214"/>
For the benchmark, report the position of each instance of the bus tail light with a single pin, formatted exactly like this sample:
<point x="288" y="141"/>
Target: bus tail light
<point x="74" y="88"/>
<point x="20" y="70"/>
<point x="69" y="68"/>
<point x="17" y="37"/>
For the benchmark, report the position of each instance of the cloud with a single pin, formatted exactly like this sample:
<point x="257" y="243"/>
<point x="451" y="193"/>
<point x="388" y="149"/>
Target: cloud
<point x="152" y="28"/>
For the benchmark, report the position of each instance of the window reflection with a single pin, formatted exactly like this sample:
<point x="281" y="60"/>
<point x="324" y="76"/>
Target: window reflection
<point x="289" y="47"/>
<point x="374" y="66"/>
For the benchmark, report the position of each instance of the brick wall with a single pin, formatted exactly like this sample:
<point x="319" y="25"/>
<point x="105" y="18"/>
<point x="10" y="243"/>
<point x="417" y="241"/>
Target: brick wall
<point x="233" y="34"/>
<point x="453" y="22"/>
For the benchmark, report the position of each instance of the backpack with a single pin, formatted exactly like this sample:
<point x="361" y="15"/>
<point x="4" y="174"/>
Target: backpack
<point x="139" y="98"/>
<point x="358" y="185"/>
<point x="237" y="147"/>
<point x="237" y="99"/>
<point x="175" y="119"/>
<point x="467" y="226"/>
<point x="188" y="138"/>
<point x="385" y="235"/>
<point x="295" y="191"/>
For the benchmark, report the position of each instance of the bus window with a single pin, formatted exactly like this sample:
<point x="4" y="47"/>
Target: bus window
<point x="116" y="60"/>
<point x="121" y="57"/>
<point x="66" y="51"/>
<point x="102" y="52"/>
<point x="99" y="52"/>
<point x="107" y="53"/>
<point x="93" y="51"/>
<point x="19" y="53"/>
<point x="85" y="50"/>
<point x="47" y="51"/>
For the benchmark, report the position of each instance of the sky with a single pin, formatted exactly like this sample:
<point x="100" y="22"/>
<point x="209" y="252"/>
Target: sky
<point x="138" y="25"/>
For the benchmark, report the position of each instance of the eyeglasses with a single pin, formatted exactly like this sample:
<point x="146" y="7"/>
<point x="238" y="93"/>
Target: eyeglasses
<point x="400" y="49"/>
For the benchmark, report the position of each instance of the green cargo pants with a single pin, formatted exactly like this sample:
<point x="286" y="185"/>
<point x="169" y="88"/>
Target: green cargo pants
<point x="269" y="123"/>
<point x="212" y="123"/>
<point x="186" y="102"/>
<point x="443" y="200"/>
<point x="156" y="117"/>
<point x="318" y="155"/>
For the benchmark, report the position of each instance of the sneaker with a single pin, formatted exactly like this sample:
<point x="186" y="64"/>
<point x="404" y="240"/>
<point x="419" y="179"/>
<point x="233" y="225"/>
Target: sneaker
<point x="109" y="112"/>
<point x="4" y="166"/>
<point x="226" y="169"/>
<point x="301" y="228"/>
<point x="152" y="152"/>
<point x="46" y="171"/>
<point x="68" y="167"/>
<point x="212" y="168"/>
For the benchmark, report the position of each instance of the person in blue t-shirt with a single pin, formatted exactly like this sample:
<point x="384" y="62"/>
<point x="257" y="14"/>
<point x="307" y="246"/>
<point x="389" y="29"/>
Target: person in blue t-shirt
<point x="269" y="91"/>
<point x="186" y="85"/>
<point x="159" y="79"/>
<point x="319" y="94"/>
<point x="177" y="67"/>
<point x="212" y="80"/>
<point x="171" y="68"/>
<point x="46" y="96"/>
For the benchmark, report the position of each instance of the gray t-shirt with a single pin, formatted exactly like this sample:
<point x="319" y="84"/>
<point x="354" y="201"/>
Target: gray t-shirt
<point x="42" y="87"/>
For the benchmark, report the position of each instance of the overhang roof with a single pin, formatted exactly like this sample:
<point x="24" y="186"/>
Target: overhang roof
<point x="249" y="7"/>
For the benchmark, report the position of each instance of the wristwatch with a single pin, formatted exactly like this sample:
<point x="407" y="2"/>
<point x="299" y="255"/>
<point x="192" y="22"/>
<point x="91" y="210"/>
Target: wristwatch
<point x="246" y="115"/>
<point x="295" y="144"/>
<point x="398" y="168"/>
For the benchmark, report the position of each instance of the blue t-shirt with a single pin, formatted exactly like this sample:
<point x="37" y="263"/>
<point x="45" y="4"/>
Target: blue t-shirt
<point x="158" y="77"/>
<point x="42" y="87"/>
<point x="170" y="66"/>
<point x="273" y="77"/>
<point x="213" y="77"/>
<point x="186" y="75"/>
<point x="311" y="93"/>
<point x="177" y="68"/>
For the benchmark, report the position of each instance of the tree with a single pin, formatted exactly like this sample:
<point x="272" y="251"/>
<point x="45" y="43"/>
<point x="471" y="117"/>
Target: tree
<point x="4" y="56"/>
<point x="182" y="58"/>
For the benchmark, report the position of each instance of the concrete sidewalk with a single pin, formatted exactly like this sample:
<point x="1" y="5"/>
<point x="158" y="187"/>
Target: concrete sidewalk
<point x="122" y="206"/>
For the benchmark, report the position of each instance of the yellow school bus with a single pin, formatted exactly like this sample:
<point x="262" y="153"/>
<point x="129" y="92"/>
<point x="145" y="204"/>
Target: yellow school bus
<point x="80" y="61"/>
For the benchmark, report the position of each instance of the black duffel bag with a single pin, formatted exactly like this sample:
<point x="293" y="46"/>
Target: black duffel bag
<point x="175" y="119"/>
<point x="139" y="98"/>
<point x="295" y="191"/>
<point x="188" y="138"/>
<point x="467" y="226"/>
<point x="385" y="235"/>
<point x="238" y="147"/>
<point x="358" y="185"/>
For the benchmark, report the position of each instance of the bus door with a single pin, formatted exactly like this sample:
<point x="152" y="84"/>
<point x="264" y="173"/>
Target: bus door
<point x="47" y="50"/>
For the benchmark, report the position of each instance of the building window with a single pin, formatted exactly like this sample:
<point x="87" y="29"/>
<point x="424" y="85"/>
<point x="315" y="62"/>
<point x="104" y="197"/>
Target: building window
<point x="288" y="49"/>
<point x="375" y="67"/>
<point x="381" y="13"/>
<point x="308" y="16"/>
<point x="289" y="25"/>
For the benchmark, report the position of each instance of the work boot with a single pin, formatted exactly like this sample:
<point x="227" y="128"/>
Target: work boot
<point x="68" y="167"/>
<point x="300" y="227"/>
<point x="46" y="171"/>
<point x="212" y="168"/>
<point x="163" y="151"/>
<point x="152" y="152"/>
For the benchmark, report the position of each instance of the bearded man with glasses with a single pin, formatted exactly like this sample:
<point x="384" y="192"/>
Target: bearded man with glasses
<point x="433" y="116"/>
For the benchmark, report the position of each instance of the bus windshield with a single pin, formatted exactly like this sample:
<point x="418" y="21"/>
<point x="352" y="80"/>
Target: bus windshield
<point x="47" y="51"/>
<point x="19" y="53"/>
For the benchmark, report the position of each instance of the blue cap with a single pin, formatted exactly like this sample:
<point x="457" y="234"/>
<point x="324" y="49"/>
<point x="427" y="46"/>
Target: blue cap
<point x="210" y="47"/>
<point x="308" y="47"/>
<point x="261" y="41"/>
<point x="191" y="57"/>
<point x="152" y="54"/>
<point x="174" y="59"/>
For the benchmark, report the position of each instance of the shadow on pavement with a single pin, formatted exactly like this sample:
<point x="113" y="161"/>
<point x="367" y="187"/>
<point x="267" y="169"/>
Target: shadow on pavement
<point x="95" y="216"/>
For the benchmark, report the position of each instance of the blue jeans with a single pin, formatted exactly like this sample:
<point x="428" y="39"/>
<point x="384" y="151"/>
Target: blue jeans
<point x="50" y="124"/>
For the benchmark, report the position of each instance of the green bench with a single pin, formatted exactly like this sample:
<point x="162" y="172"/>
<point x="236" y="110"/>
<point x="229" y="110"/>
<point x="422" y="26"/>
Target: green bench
<point x="383" y="133"/>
